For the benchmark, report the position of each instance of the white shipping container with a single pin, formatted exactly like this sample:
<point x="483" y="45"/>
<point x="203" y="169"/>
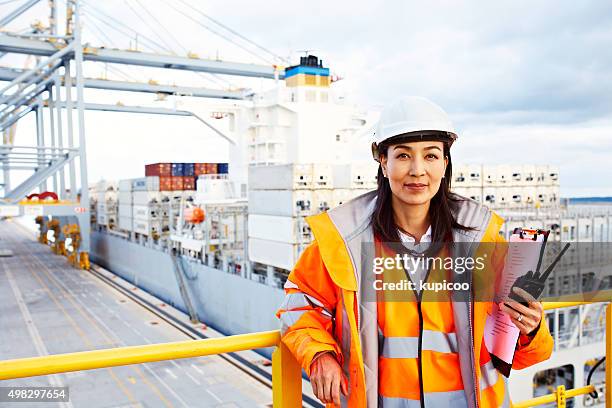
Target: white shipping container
<point x="150" y="183"/>
<point x="474" y="178"/>
<point x="125" y="210"/>
<point x="529" y="195"/>
<point x="145" y="197"/>
<point x="108" y="220"/>
<point x="341" y="196"/>
<point x="460" y="176"/>
<point x="541" y="172"/>
<point x="322" y="200"/>
<point x="292" y="230"/>
<point x="144" y="212"/>
<point x="280" y="177"/>
<point x="322" y="175"/>
<point x="516" y="176"/>
<point x="278" y="254"/>
<point x="503" y="196"/>
<point x="124" y="198"/>
<point x="489" y="175"/>
<point x="125" y="223"/>
<point x="529" y="175"/>
<point x="355" y="175"/>
<point x="488" y="196"/>
<point x="106" y="208"/>
<point x="125" y="185"/>
<point x="105" y="185"/>
<point x="504" y="175"/>
<point x="288" y="203"/>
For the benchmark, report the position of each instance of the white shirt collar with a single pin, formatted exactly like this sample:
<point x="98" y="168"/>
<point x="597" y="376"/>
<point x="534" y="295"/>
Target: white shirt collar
<point x="409" y="239"/>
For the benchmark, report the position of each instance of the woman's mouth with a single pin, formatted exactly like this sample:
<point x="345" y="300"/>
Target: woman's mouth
<point x="416" y="186"/>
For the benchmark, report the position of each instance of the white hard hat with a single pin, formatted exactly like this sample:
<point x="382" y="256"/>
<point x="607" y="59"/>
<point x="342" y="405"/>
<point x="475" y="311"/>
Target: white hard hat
<point x="413" y="116"/>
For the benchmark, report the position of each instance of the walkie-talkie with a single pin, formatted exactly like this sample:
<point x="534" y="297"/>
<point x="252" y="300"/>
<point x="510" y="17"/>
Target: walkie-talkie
<point x="533" y="282"/>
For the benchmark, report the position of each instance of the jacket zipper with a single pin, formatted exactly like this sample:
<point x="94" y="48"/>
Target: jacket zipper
<point x="470" y="312"/>
<point x="422" y="393"/>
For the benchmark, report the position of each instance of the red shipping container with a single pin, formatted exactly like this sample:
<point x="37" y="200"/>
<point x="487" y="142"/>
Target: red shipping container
<point x="158" y="169"/>
<point x="199" y="169"/>
<point x="211" y="168"/>
<point x="177" y="183"/>
<point x="189" y="183"/>
<point x="165" y="183"/>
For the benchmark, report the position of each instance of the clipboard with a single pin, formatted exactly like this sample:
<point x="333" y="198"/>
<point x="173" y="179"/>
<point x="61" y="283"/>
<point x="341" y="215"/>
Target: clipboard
<point x="501" y="335"/>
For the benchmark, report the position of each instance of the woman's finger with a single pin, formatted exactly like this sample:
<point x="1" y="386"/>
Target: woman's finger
<point x="335" y="390"/>
<point x="522" y="309"/>
<point x="327" y="386"/>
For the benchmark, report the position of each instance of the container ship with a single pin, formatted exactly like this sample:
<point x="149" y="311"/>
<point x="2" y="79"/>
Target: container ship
<point x="217" y="240"/>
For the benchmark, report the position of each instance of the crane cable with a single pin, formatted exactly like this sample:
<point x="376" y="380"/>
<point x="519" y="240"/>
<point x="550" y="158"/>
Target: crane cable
<point x="285" y="60"/>
<point x="218" y="33"/>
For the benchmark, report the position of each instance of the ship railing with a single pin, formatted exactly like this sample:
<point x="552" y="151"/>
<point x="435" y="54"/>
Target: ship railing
<point x="561" y="394"/>
<point x="286" y="372"/>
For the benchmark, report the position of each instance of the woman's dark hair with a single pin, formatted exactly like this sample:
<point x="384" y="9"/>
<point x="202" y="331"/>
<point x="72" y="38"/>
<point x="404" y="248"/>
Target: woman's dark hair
<point x="440" y="210"/>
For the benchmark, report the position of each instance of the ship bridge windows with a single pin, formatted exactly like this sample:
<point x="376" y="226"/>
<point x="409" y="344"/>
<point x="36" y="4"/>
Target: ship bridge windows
<point x="546" y="381"/>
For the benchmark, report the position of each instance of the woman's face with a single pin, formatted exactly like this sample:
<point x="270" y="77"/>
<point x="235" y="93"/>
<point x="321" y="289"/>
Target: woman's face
<point x="414" y="170"/>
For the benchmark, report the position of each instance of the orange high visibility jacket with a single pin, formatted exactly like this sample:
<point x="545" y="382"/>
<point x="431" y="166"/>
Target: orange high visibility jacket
<point x="325" y="308"/>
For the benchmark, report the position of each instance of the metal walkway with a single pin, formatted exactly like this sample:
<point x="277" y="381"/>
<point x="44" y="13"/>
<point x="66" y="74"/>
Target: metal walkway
<point x="49" y="307"/>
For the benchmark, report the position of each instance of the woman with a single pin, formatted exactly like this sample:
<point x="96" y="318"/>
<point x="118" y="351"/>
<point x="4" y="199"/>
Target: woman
<point x="359" y="347"/>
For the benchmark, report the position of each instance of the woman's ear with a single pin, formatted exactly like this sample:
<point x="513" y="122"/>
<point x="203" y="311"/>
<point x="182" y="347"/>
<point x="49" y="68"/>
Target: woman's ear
<point x="383" y="164"/>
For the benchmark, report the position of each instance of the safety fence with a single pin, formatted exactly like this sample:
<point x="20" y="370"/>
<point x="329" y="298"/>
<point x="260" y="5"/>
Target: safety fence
<point x="286" y="372"/>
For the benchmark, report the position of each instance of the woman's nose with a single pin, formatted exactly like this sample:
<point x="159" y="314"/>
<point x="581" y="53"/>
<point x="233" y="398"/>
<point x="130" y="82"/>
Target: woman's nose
<point x="417" y="167"/>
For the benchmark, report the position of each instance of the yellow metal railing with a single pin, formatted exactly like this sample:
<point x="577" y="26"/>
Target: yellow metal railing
<point x="286" y="372"/>
<point x="561" y="395"/>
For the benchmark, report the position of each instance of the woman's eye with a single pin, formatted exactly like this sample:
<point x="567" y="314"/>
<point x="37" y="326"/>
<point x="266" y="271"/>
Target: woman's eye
<point x="402" y="156"/>
<point x="431" y="156"/>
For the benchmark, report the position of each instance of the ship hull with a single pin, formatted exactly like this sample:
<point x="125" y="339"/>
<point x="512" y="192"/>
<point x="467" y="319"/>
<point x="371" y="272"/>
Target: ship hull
<point x="228" y="303"/>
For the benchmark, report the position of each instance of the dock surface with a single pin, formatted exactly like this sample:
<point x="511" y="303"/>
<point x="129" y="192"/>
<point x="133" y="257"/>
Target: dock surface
<point x="49" y="307"/>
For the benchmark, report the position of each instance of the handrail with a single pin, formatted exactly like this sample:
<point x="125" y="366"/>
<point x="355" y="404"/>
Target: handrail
<point x="286" y="372"/>
<point x="112" y="357"/>
<point x="561" y="394"/>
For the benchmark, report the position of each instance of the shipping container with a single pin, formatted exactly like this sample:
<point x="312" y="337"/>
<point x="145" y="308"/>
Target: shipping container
<point x="124" y="210"/>
<point x="222" y="168"/>
<point x="199" y="169"/>
<point x="177" y="183"/>
<point x="145" y="197"/>
<point x="144" y="212"/>
<point x="292" y="230"/>
<point x="281" y="177"/>
<point x="322" y="175"/>
<point x="322" y="200"/>
<point x="278" y="254"/>
<point x="211" y="168"/>
<point x="177" y="169"/>
<point x="125" y="185"/>
<point x="165" y="183"/>
<point x="124" y="198"/>
<point x="349" y="176"/>
<point x="158" y="169"/>
<point x="288" y="203"/>
<point x="189" y="183"/>
<point x="125" y="223"/>
<point x="149" y="183"/>
<point x="188" y="169"/>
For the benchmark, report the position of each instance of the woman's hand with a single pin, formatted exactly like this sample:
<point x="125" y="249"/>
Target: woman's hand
<point x="527" y="319"/>
<point x="327" y="379"/>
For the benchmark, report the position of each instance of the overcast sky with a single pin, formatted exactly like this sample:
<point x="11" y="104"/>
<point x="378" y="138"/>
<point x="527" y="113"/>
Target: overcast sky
<point x="524" y="82"/>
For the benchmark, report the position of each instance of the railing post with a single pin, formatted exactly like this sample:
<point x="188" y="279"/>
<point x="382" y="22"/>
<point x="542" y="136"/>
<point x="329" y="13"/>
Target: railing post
<point x="286" y="379"/>
<point x="608" y="383"/>
<point x="560" y="394"/>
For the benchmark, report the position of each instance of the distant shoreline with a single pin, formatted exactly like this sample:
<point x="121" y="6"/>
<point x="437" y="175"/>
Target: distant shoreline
<point x="590" y="200"/>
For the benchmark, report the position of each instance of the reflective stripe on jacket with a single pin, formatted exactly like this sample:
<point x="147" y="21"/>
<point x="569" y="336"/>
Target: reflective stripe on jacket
<point x="325" y="309"/>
